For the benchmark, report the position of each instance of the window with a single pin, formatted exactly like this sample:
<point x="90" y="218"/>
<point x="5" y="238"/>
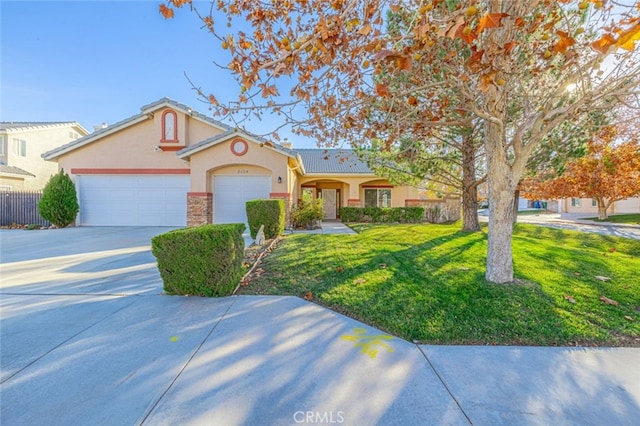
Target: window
<point x="169" y="127"/>
<point x="377" y="197"/>
<point x="3" y="145"/>
<point x="575" y="202"/>
<point x="20" y="147"/>
<point x="594" y="202"/>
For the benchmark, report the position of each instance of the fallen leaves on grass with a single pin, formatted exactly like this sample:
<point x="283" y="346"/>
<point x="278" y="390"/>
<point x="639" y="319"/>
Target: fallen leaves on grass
<point x="628" y="318"/>
<point x="339" y="269"/>
<point x="569" y="299"/>
<point x="383" y="265"/>
<point x="608" y="301"/>
<point x="601" y="278"/>
<point x="359" y="281"/>
<point x="308" y="295"/>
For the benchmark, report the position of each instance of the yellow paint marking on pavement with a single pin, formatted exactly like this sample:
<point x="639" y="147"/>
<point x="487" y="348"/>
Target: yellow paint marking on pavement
<point x="368" y="342"/>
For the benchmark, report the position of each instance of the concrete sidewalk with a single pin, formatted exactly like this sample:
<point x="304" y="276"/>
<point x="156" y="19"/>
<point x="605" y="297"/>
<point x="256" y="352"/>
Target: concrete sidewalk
<point x="247" y="360"/>
<point x="88" y="338"/>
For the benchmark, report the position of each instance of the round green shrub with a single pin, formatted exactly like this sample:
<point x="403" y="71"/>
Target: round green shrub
<point x="59" y="203"/>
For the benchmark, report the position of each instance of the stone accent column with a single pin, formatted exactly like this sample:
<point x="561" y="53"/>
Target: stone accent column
<point x="353" y="202"/>
<point x="199" y="208"/>
<point x="287" y="204"/>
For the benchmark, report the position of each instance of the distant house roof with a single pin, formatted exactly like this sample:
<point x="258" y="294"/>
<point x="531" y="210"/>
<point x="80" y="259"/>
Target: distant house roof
<point x="339" y="161"/>
<point x="11" y="170"/>
<point x="27" y="125"/>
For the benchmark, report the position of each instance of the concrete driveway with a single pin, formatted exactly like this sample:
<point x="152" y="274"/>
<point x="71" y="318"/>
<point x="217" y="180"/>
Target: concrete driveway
<point x="87" y="338"/>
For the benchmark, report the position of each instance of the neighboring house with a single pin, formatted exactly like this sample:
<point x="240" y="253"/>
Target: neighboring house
<point x="590" y="206"/>
<point x="21" y="148"/>
<point x="172" y="166"/>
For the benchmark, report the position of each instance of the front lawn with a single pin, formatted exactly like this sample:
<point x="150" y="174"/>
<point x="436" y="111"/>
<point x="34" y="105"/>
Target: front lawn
<point x="633" y="219"/>
<point x="426" y="283"/>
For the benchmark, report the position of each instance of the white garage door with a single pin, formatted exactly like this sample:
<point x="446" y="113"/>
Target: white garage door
<point x="230" y="193"/>
<point x="141" y="200"/>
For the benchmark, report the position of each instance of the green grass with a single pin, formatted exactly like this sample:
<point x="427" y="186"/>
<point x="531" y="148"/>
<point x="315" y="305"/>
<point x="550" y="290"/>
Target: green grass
<point x="633" y="219"/>
<point x="426" y="283"/>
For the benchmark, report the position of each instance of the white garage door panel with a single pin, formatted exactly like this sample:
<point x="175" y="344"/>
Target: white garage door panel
<point x="133" y="200"/>
<point x="231" y="194"/>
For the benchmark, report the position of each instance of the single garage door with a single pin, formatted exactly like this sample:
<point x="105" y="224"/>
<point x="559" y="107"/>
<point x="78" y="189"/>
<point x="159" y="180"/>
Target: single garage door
<point x="133" y="200"/>
<point x="230" y="193"/>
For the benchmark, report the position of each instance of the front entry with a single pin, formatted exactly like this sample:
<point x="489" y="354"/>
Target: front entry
<point x="329" y="203"/>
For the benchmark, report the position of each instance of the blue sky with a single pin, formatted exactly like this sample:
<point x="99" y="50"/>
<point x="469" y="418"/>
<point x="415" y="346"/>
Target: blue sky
<point x="97" y="61"/>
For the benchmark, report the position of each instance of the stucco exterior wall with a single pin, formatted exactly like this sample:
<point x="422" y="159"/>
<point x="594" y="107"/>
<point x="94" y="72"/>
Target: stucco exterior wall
<point x="16" y="184"/>
<point x="219" y="159"/>
<point x="630" y="205"/>
<point x="132" y="148"/>
<point x="38" y="140"/>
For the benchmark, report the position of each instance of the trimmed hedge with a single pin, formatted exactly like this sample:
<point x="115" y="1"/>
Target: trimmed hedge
<point x="270" y="213"/>
<point x="201" y="261"/>
<point x="382" y="214"/>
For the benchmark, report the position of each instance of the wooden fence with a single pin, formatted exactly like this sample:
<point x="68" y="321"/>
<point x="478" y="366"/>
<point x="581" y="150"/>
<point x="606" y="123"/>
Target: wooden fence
<point x="20" y="208"/>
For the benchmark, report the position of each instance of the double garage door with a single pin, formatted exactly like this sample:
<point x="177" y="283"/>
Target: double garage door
<point x="161" y="200"/>
<point x="230" y="194"/>
<point x="133" y="200"/>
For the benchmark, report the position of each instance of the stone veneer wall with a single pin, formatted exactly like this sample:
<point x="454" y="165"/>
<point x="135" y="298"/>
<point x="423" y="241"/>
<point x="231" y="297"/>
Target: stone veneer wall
<point x="199" y="208"/>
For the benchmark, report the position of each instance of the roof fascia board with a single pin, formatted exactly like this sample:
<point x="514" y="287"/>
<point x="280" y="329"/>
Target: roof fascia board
<point x="221" y="138"/>
<point x="168" y="103"/>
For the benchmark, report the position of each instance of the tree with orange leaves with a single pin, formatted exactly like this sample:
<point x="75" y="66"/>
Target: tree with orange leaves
<point x="609" y="172"/>
<point x="333" y="70"/>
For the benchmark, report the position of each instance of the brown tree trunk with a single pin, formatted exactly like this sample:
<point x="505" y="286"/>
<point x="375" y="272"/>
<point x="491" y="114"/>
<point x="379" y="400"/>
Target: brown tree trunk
<point x="469" y="188"/>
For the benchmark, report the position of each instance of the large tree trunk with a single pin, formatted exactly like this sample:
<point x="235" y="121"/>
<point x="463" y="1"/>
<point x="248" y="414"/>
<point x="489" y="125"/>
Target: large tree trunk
<point x="499" y="254"/>
<point x="469" y="187"/>
<point x="602" y="209"/>
<point x="502" y="187"/>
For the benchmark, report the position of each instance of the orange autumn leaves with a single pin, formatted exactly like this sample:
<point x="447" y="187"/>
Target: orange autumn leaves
<point x="610" y="171"/>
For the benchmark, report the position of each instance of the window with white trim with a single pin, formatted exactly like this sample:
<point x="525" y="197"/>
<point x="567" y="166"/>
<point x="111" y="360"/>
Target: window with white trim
<point x="169" y="126"/>
<point x="377" y="197"/>
<point x="20" y="147"/>
<point x="3" y="145"/>
<point x="575" y="202"/>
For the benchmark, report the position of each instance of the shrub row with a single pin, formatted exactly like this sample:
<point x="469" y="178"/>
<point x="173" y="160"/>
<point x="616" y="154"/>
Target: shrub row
<point x="270" y="213"/>
<point x="382" y="214"/>
<point x="204" y="260"/>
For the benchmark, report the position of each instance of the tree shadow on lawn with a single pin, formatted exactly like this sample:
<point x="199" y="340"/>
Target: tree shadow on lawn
<point x="432" y="292"/>
<point x="576" y="274"/>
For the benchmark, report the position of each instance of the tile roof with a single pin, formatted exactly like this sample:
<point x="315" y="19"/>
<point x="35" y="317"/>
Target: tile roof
<point x="14" y="171"/>
<point x="342" y="161"/>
